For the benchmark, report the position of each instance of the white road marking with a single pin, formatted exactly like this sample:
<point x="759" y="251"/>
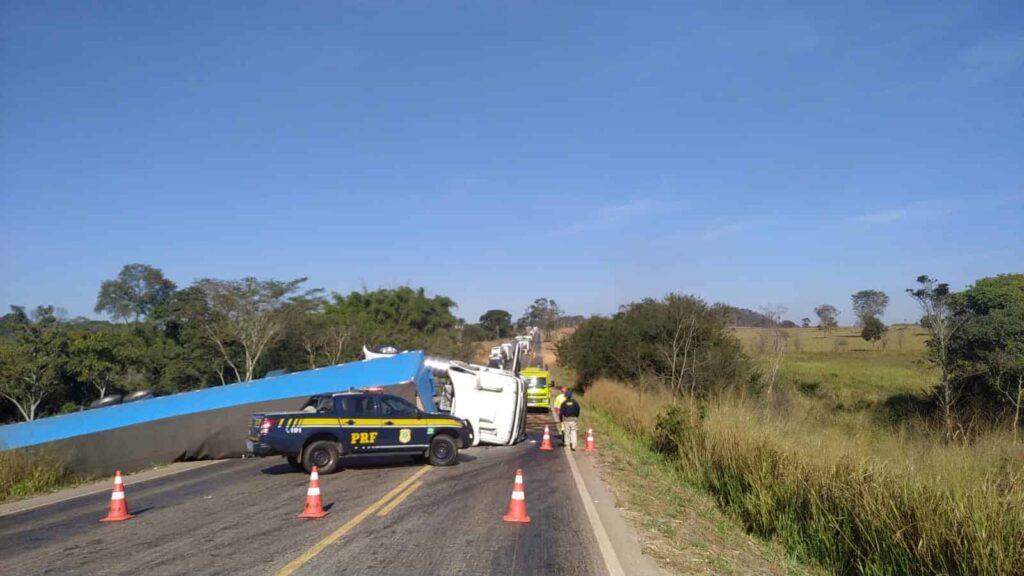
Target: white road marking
<point x="604" y="544"/>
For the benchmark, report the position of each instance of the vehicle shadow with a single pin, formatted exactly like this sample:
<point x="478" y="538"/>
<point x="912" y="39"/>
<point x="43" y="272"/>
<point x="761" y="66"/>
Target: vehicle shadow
<point x="363" y="463"/>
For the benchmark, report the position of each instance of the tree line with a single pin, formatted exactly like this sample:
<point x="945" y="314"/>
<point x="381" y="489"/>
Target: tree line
<point x="687" y="346"/>
<point x="167" y="339"/>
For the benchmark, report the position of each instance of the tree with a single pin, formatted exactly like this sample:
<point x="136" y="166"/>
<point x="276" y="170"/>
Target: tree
<point x="31" y="362"/>
<point x="472" y="333"/>
<point x="805" y="323"/>
<point x="679" y="342"/>
<point x="326" y="341"/>
<point x="869" y="304"/>
<point x="543" y="313"/>
<point x="937" y="304"/>
<point x="774" y="346"/>
<point x="988" y="350"/>
<point x="403" y="317"/>
<point x="497" y="322"/>
<point x="873" y="329"/>
<point x="828" y="317"/>
<point x="243" y="318"/>
<point x="107" y="358"/>
<point x="135" y="293"/>
<point x="179" y="353"/>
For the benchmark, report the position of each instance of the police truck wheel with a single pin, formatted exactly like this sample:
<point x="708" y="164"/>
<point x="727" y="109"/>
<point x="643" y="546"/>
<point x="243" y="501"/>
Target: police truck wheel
<point x="443" y="451"/>
<point x="323" y="454"/>
<point x="293" y="461"/>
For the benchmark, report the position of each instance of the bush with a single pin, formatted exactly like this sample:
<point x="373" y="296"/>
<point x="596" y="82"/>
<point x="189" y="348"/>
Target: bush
<point x="680" y="341"/>
<point x="677" y="426"/>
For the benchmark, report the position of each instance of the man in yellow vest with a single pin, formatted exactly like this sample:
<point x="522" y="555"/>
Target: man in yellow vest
<point x="558" y="408"/>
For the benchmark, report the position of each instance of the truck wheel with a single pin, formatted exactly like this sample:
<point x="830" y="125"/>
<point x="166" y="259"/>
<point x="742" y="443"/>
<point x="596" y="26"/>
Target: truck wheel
<point x="323" y="454"/>
<point x="293" y="461"/>
<point x="443" y="451"/>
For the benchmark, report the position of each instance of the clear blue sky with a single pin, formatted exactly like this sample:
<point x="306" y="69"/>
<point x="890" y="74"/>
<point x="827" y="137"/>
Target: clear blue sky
<point x="785" y="154"/>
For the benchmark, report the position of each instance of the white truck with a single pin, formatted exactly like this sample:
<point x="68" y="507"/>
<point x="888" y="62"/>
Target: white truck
<point x="493" y="401"/>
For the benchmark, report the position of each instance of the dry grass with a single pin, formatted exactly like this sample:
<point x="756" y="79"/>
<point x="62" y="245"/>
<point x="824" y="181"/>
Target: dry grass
<point x="859" y="498"/>
<point x="677" y="525"/>
<point x="26" y="472"/>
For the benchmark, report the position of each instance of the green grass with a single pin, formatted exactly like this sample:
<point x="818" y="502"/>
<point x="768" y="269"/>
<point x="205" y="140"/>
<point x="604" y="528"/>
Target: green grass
<point x="859" y="377"/>
<point x="27" y="472"/>
<point x="899" y="339"/>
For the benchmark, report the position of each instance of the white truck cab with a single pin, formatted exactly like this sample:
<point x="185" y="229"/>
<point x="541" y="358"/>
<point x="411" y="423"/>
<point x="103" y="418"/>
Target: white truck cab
<point x="492" y="400"/>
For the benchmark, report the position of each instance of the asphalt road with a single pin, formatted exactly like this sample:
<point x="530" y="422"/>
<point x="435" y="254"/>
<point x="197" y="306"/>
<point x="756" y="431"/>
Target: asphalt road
<point x="240" y="517"/>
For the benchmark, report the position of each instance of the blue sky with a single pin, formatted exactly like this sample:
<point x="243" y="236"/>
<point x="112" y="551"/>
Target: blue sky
<point x="760" y="154"/>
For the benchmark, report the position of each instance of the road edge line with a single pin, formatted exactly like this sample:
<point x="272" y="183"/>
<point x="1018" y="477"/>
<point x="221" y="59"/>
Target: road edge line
<point x="333" y="537"/>
<point x="604" y="543"/>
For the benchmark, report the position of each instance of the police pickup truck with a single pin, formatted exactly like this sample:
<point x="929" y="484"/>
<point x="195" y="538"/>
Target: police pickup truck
<point x="353" y="423"/>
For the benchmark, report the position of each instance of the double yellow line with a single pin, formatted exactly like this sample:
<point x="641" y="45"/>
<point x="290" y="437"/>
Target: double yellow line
<point x="382" y="507"/>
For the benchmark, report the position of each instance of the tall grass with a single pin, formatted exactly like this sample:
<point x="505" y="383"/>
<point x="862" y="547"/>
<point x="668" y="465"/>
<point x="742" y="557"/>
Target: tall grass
<point x="24" y="472"/>
<point x="857" y="498"/>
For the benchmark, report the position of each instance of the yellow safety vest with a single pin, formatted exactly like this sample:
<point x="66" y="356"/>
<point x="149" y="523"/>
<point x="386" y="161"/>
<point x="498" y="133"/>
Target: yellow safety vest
<point x="558" y="400"/>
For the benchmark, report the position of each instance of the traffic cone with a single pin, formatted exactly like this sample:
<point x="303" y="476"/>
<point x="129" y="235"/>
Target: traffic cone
<point x="590" y="441"/>
<point x="314" y="506"/>
<point x="118" y="505"/>
<point x="545" y="443"/>
<point x="517" y="505"/>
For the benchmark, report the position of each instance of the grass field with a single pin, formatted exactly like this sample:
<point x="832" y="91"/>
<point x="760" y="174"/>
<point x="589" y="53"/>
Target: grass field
<point x="815" y="469"/>
<point x="900" y="338"/>
<point x="843" y="492"/>
<point x="855" y="374"/>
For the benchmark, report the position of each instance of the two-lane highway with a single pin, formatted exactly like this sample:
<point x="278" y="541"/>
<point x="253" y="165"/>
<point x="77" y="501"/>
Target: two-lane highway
<point x="387" y="516"/>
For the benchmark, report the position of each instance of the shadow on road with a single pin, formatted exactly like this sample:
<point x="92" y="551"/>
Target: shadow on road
<point x="363" y="463"/>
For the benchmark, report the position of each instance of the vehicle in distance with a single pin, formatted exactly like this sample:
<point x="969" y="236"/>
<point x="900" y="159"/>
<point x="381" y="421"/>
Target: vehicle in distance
<point x="354" y="423"/>
<point x="538" y="387"/>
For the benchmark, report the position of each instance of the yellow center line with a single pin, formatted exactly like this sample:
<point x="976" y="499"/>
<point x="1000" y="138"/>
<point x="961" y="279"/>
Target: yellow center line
<point x="401" y="498"/>
<point x="348" y="526"/>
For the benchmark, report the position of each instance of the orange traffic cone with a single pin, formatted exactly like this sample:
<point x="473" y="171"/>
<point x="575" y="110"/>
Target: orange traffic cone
<point x="590" y="441"/>
<point x="517" y="505"/>
<point x="314" y="506"/>
<point x="118" y="505"/>
<point x="545" y="443"/>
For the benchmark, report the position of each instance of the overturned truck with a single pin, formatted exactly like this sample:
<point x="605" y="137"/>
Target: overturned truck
<point x="493" y="401"/>
<point x="214" y="422"/>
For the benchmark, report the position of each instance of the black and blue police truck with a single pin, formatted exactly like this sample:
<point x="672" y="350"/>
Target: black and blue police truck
<point x="353" y="423"/>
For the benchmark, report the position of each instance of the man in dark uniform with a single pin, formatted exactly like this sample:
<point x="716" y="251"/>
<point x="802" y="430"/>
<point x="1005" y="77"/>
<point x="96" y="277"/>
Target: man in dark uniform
<point x="569" y="416"/>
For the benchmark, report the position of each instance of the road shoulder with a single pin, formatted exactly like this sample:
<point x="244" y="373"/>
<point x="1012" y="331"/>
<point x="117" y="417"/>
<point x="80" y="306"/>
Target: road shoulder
<point x="100" y="486"/>
<point x="623" y="539"/>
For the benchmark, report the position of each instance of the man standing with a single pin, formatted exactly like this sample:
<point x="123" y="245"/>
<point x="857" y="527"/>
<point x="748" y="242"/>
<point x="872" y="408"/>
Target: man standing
<point x="569" y="415"/>
<point x="558" y="406"/>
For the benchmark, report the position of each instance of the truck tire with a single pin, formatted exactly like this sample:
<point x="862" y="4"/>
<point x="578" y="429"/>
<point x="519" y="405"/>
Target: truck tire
<point x="293" y="461"/>
<point x="443" y="451"/>
<point x="324" y="454"/>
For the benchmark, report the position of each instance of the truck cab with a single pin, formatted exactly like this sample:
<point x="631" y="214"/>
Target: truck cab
<point x="538" y="387"/>
<point x="354" y="423"/>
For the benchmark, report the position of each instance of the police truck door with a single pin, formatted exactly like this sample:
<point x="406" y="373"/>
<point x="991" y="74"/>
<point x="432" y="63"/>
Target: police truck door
<point x="360" y="422"/>
<point x="402" y="427"/>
